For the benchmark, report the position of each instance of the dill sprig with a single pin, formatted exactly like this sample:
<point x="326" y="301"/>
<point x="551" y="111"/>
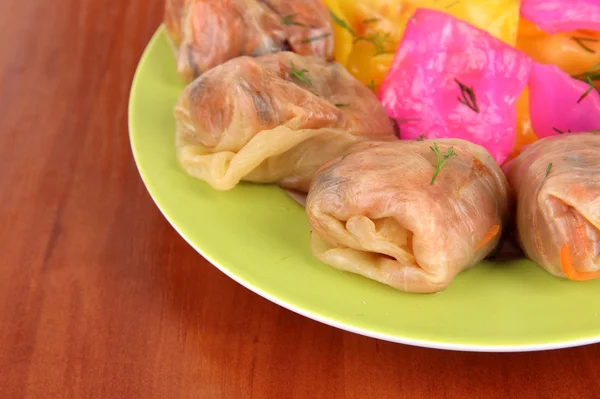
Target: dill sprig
<point x="468" y="96"/>
<point x="593" y="73"/>
<point x="289" y="20"/>
<point x="548" y="169"/>
<point x="441" y="159"/>
<point x="371" y="85"/>
<point x="371" y="20"/>
<point x="581" y="41"/>
<point x="377" y="39"/>
<point x="299" y="74"/>
<point x="314" y="39"/>
<point x="421" y="137"/>
<point x="341" y="105"/>
<point x="341" y="23"/>
<point x="589" y="89"/>
<point x="560" y="131"/>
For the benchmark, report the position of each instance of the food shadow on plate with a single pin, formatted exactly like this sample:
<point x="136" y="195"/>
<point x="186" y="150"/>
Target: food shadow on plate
<point x="297" y="196"/>
<point x="508" y="251"/>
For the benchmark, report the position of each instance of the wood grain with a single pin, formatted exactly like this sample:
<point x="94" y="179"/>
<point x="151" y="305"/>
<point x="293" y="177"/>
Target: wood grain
<point x="100" y="298"/>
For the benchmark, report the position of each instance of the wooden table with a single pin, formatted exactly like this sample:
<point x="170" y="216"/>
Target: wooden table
<point x="100" y="298"/>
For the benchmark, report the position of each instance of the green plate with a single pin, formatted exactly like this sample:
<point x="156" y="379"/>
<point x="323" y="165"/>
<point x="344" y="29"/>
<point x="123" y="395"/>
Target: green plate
<point x="258" y="236"/>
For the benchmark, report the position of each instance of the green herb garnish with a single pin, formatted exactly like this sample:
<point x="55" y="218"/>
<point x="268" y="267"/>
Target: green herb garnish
<point x="581" y="41"/>
<point x="548" y="169"/>
<point x="314" y="39"/>
<point x="345" y="155"/>
<point x="341" y="105"/>
<point x="421" y="137"/>
<point x="378" y="39"/>
<point x="371" y="84"/>
<point x="593" y="73"/>
<point x="371" y="20"/>
<point x="299" y="74"/>
<point x="289" y="20"/>
<point x="588" y="91"/>
<point x="341" y="23"/>
<point x="561" y="131"/>
<point x="468" y="96"/>
<point x="441" y="159"/>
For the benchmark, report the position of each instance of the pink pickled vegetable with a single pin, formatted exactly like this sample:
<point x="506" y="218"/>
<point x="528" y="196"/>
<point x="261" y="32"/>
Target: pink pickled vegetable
<point x="450" y="79"/>
<point x="554" y="16"/>
<point x="559" y="104"/>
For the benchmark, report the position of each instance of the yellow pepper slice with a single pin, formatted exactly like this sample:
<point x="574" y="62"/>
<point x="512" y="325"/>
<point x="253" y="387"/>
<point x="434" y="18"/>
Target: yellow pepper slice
<point x="382" y="24"/>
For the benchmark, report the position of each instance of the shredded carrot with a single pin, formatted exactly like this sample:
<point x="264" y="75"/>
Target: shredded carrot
<point x="487" y="237"/>
<point x="570" y="271"/>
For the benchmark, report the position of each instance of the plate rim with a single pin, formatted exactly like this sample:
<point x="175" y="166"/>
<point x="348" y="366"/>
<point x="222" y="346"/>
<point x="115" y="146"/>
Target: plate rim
<point x="306" y="313"/>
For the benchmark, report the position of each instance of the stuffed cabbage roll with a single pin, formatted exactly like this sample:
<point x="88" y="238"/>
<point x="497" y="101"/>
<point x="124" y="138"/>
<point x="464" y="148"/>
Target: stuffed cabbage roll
<point x="273" y="119"/>
<point x="408" y="214"/>
<point x="207" y="33"/>
<point x="557" y="183"/>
